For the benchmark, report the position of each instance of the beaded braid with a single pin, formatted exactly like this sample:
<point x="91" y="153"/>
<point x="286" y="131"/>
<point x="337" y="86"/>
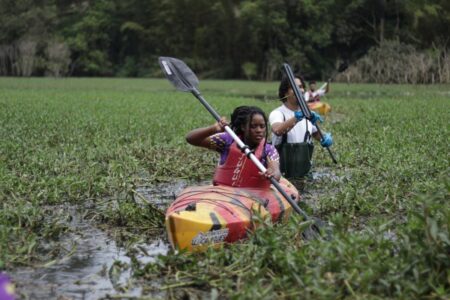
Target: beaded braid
<point x="238" y="118"/>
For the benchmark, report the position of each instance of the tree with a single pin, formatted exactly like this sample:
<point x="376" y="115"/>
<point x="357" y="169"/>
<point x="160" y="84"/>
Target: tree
<point x="58" y="58"/>
<point x="217" y="38"/>
<point x="89" y="38"/>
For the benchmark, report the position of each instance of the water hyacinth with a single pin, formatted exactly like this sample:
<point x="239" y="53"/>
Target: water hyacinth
<point x="91" y="143"/>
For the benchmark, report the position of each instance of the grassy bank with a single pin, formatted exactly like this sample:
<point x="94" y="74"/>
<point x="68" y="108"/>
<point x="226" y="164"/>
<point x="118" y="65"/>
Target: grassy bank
<point x="89" y="142"/>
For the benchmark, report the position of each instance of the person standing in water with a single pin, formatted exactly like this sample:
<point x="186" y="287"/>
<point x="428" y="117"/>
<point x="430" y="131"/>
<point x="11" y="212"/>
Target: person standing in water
<point x="234" y="168"/>
<point x="292" y="134"/>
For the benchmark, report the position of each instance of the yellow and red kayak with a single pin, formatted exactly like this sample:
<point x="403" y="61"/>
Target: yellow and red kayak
<point x="320" y="107"/>
<point x="210" y="215"/>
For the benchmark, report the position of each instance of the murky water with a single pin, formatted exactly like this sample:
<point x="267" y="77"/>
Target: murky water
<point x="312" y="193"/>
<point x="88" y="270"/>
<point x="92" y="265"/>
<point x="324" y="174"/>
<point x="161" y="195"/>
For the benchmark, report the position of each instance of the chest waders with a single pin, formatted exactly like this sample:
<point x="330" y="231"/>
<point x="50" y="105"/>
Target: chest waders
<point x="295" y="158"/>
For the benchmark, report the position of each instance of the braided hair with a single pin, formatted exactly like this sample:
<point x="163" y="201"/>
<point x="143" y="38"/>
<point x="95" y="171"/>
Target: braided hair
<point x="242" y="116"/>
<point x="285" y="85"/>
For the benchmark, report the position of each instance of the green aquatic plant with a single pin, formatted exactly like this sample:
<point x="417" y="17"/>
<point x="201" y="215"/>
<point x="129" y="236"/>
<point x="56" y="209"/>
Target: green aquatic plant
<point x="88" y="143"/>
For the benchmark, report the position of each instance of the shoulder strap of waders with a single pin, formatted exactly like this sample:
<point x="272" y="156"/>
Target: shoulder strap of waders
<point x="284" y="138"/>
<point x="307" y="136"/>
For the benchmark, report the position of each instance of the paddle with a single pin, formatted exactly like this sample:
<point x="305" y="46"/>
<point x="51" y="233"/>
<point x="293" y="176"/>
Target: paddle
<point x="342" y="67"/>
<point x="302" y="103"/>
<point x="182" y="77"/>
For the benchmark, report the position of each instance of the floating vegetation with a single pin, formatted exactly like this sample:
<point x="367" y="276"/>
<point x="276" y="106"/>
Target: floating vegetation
<point x="87" y="167"/>
<point x="91" y="262"/>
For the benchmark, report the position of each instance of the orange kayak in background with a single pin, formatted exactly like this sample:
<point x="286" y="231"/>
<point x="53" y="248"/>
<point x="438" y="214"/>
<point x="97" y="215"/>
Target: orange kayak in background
<point x="211" y="215"/>
<point x="320" y="107"/>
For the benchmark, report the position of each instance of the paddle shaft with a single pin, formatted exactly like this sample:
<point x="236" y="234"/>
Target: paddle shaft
<point x="179" y="74"/>
<point x="302" y="103"/>
<point x="324" y="85"/>
<point x="248" y="153"/>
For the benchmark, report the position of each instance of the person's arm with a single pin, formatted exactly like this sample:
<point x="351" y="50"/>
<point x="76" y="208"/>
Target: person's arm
<point x="307" y="95"/>
<point x="315" y="132"/>
<point x="201" y="136"/>
<point x="323" y="89"/>
<point x="284" y="127"/>
<point x="316" y="136"/>
<point x="280" y="128"/>
<point x="273" y="170"/>
<point x="273" y="163"/>
<point x="326" y="141"/>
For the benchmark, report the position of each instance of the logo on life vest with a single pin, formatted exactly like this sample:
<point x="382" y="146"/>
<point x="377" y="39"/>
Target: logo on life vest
<point x="215" y="236"/>
<point x="235" y="180"/>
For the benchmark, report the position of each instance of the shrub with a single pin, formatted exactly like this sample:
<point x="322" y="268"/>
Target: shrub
<point x="396" y="62"/>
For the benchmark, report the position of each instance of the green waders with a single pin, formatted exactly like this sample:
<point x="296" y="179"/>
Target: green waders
<point x="295" y="160"/>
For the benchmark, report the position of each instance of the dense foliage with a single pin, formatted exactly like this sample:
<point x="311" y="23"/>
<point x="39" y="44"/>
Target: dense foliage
<point x="88" y="142"/>
<point x="218" y="38"/>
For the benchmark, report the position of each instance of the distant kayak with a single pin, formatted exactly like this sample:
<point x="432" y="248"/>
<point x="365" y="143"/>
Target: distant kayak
<point x="208" y="215"/>
<point x="320" y="107"/>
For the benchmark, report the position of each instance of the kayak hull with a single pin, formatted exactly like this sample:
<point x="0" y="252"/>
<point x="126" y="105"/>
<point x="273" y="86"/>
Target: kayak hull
<point x="320" y="107"/>
<point x="211" y="215"/>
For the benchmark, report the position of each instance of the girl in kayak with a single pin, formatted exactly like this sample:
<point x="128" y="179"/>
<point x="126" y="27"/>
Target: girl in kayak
<point x="234" y="168"/>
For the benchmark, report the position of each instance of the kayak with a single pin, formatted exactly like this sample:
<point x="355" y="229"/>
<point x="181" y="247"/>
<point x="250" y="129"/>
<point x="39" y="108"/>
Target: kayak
<point x="202" y="216"/>
<point x="320" y="107"/>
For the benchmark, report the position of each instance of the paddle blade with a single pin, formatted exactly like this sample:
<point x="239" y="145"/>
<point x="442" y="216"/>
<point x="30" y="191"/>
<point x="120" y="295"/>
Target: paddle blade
<point x="298" y="94"/>
<point x="343" y="67"/>
<point x="178" y="73"/>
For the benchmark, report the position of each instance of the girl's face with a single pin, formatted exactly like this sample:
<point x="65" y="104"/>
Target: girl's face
<point x="290" y="93"/>
<point x="255" y="131"/>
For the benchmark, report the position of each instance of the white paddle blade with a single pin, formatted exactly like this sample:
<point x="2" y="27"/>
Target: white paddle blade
<point x="178" y="73"/>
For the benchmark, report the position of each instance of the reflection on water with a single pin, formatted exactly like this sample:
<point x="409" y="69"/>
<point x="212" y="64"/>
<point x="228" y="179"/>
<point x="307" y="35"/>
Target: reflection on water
<point x="93" y="265"/>
<point x="89" y="270"/>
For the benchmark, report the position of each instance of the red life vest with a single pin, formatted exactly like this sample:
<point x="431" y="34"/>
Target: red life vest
<point x="240" y="171"/>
